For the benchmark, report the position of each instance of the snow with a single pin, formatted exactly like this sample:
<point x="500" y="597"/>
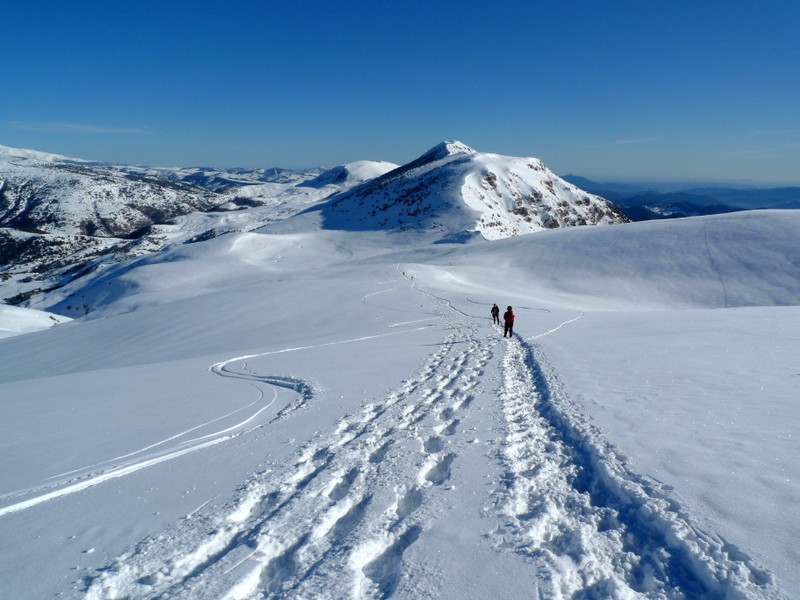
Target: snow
<point x="362" y="170"/>
<point x="454" y="188"/>
<point x="57" y="196"/>
<point x="290" y="411"/>
<point x="37" y="155"/>
<point x="351" y="174"/>
<point x="17" y="321"/>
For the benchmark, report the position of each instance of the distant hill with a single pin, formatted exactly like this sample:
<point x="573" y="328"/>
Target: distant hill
<point x="70" y="198"/>
<point x="640" y="203"/>
<point x="781" y="197"/>
<point x="351" y="174"/>
<point x="608" y="190"/>
<point x="223" y="180"/>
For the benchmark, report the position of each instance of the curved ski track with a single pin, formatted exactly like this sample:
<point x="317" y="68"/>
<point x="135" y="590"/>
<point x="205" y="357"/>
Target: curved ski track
<point x="338" y="520"/>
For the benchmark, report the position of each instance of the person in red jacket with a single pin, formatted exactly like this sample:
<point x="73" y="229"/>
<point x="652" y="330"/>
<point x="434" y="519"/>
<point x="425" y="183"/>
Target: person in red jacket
<point x="508" y="319"/>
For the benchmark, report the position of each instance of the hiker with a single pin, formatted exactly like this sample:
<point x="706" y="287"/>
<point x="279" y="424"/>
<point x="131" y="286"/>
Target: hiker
<point x="508" y="319"/>
<point x="495" y="315"/>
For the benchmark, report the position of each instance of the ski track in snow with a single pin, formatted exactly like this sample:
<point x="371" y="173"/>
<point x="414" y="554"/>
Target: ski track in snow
<point x="78" y="480"/>
<point x="297" y="529"/>
<point x="338" y="520"/>
<point x="591" y="527"/>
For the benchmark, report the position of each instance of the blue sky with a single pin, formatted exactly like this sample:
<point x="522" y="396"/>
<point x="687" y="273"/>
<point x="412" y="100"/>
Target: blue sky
<point x="608" y="90"/>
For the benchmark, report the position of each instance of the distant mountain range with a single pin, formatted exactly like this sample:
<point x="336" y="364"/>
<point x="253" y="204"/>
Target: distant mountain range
<point x="641" y="203"/>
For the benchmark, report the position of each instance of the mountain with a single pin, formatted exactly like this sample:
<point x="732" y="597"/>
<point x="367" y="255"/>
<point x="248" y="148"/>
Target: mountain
<point x="68" y="198"/>
<point x="780" y="197"/>
<point x="59" y="216"/>
<point x="40" y="156"/>
<point x="293" y="191"/>
<point x="651" y="205"/>
<point x="456" y="189"/>
<point x="223" y="180"/>
<point x="233" y="179"/>
<point x="61" y="219"/>
<point x="609" y="190"/>
<point x="674" y="210"/>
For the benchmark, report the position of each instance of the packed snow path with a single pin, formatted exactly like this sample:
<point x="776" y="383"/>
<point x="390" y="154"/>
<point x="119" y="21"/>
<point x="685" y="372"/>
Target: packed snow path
<point x="345" y="517"/>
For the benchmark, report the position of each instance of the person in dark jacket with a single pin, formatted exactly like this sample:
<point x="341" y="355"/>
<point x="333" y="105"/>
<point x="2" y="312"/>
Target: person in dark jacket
<point x="508" y="319"/>
<point x="495" y="315"/>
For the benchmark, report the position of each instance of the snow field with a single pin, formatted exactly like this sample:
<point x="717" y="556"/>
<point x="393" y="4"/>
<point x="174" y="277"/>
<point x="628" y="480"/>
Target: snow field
<point x="342" y="520"/>
<point x="354" y="428"/>
<point x="295" y="537"/>
<point x="597" y="525"/>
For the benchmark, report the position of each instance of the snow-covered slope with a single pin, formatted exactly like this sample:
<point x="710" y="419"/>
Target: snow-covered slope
<point x="721" y="261"/>
<point x="454" y="188"/>
<point x="19" y="321"/>
<point x="300" y="413"/>
<point x="351" y="174"/>
<point x="73" y="199"/>
<point x="694" y="263"/>
<point x="38" y="156"/>
<point x="295" y="194"/>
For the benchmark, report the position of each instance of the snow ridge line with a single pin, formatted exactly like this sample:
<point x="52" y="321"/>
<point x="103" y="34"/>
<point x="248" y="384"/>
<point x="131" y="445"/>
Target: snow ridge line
<point x="296" y="529"/>
<point x="660" y="551"/>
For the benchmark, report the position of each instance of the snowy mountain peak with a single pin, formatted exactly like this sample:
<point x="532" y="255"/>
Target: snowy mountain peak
<point x="449" y="148"/>
<point x="443" y="150"/>
<point x="437" y="153"/>
<point x="453" y="188"/>
<point x="37" y="155"/>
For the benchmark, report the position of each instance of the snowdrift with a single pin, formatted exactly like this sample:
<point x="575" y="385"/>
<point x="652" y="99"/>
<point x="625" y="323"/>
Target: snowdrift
<point x="722" y="261"/>
<point x="18" y="321"/>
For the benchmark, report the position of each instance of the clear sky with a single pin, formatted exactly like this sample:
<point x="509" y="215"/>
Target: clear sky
<point x="627" y="89"/>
